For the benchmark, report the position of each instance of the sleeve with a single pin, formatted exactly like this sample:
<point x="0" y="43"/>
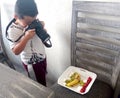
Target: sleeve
<point x="14" y="35"/>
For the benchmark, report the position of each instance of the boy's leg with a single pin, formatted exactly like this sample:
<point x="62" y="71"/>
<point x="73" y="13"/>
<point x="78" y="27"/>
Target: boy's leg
<point x="40" y="70"/>
<point x="26" y="68"/>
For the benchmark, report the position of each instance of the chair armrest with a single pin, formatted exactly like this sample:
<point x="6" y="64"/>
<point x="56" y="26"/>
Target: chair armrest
<point x="13" y="83"/>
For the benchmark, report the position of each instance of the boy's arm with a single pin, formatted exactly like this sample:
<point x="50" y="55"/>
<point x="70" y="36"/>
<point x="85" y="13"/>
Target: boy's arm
<point x="19" y="47"/>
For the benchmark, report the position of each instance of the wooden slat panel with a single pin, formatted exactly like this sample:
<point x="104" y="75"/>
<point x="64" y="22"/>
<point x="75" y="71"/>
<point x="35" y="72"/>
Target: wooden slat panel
<point x="106" y="8"/>
<point x="101" y="22"/>
<point x="100" y="40"/>
<point x="96" y="49"/>
<point x="104" y="45"/>
<point x="96" y="60"/>
<point x="101" y="33"/>
<point x="99" y="16"/>
<point x="96" y="27"/>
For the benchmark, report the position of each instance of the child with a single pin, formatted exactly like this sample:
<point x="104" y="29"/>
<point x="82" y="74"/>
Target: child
<point x="27" y="43"/>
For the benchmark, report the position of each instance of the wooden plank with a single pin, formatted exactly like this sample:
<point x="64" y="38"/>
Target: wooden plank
<point x="99" y="59"/>
<point x="93" y="49"/>
<point x="101" y="33"/>
<point x="97" y="38"/>
<point x="106" y="8"/>
<point x="100" y="22"/>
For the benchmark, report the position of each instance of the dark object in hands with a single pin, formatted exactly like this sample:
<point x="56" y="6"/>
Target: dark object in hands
<point x="42" y="34"/>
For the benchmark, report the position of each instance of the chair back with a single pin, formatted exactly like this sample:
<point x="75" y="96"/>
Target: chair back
<point x="95" y="38"/>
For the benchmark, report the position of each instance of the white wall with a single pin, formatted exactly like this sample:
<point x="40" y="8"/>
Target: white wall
<point x="57" y="17"/>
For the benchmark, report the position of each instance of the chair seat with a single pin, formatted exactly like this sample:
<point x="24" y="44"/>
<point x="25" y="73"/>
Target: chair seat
<point x="98" y="90"/>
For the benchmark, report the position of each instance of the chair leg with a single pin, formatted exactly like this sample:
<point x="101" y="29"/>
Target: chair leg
<point x="5" y="60"/>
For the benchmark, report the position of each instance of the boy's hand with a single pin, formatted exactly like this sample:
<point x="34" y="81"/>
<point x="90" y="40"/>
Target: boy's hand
<point x="19" y="47"/>
<point x="30" y="33"/>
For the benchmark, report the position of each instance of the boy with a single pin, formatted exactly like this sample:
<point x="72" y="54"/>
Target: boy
<point x="27" y="43"/>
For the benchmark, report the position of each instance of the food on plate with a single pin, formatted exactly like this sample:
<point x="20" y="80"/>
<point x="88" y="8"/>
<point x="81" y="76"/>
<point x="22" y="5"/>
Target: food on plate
<point x="85" y="85"/>
<point x="81" y="82"/>
<point x="75" y="79"/>
<point x="73" y="83"/>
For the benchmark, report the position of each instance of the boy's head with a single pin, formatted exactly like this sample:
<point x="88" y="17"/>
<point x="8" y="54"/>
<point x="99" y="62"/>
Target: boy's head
<point x="25" y="10"/>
